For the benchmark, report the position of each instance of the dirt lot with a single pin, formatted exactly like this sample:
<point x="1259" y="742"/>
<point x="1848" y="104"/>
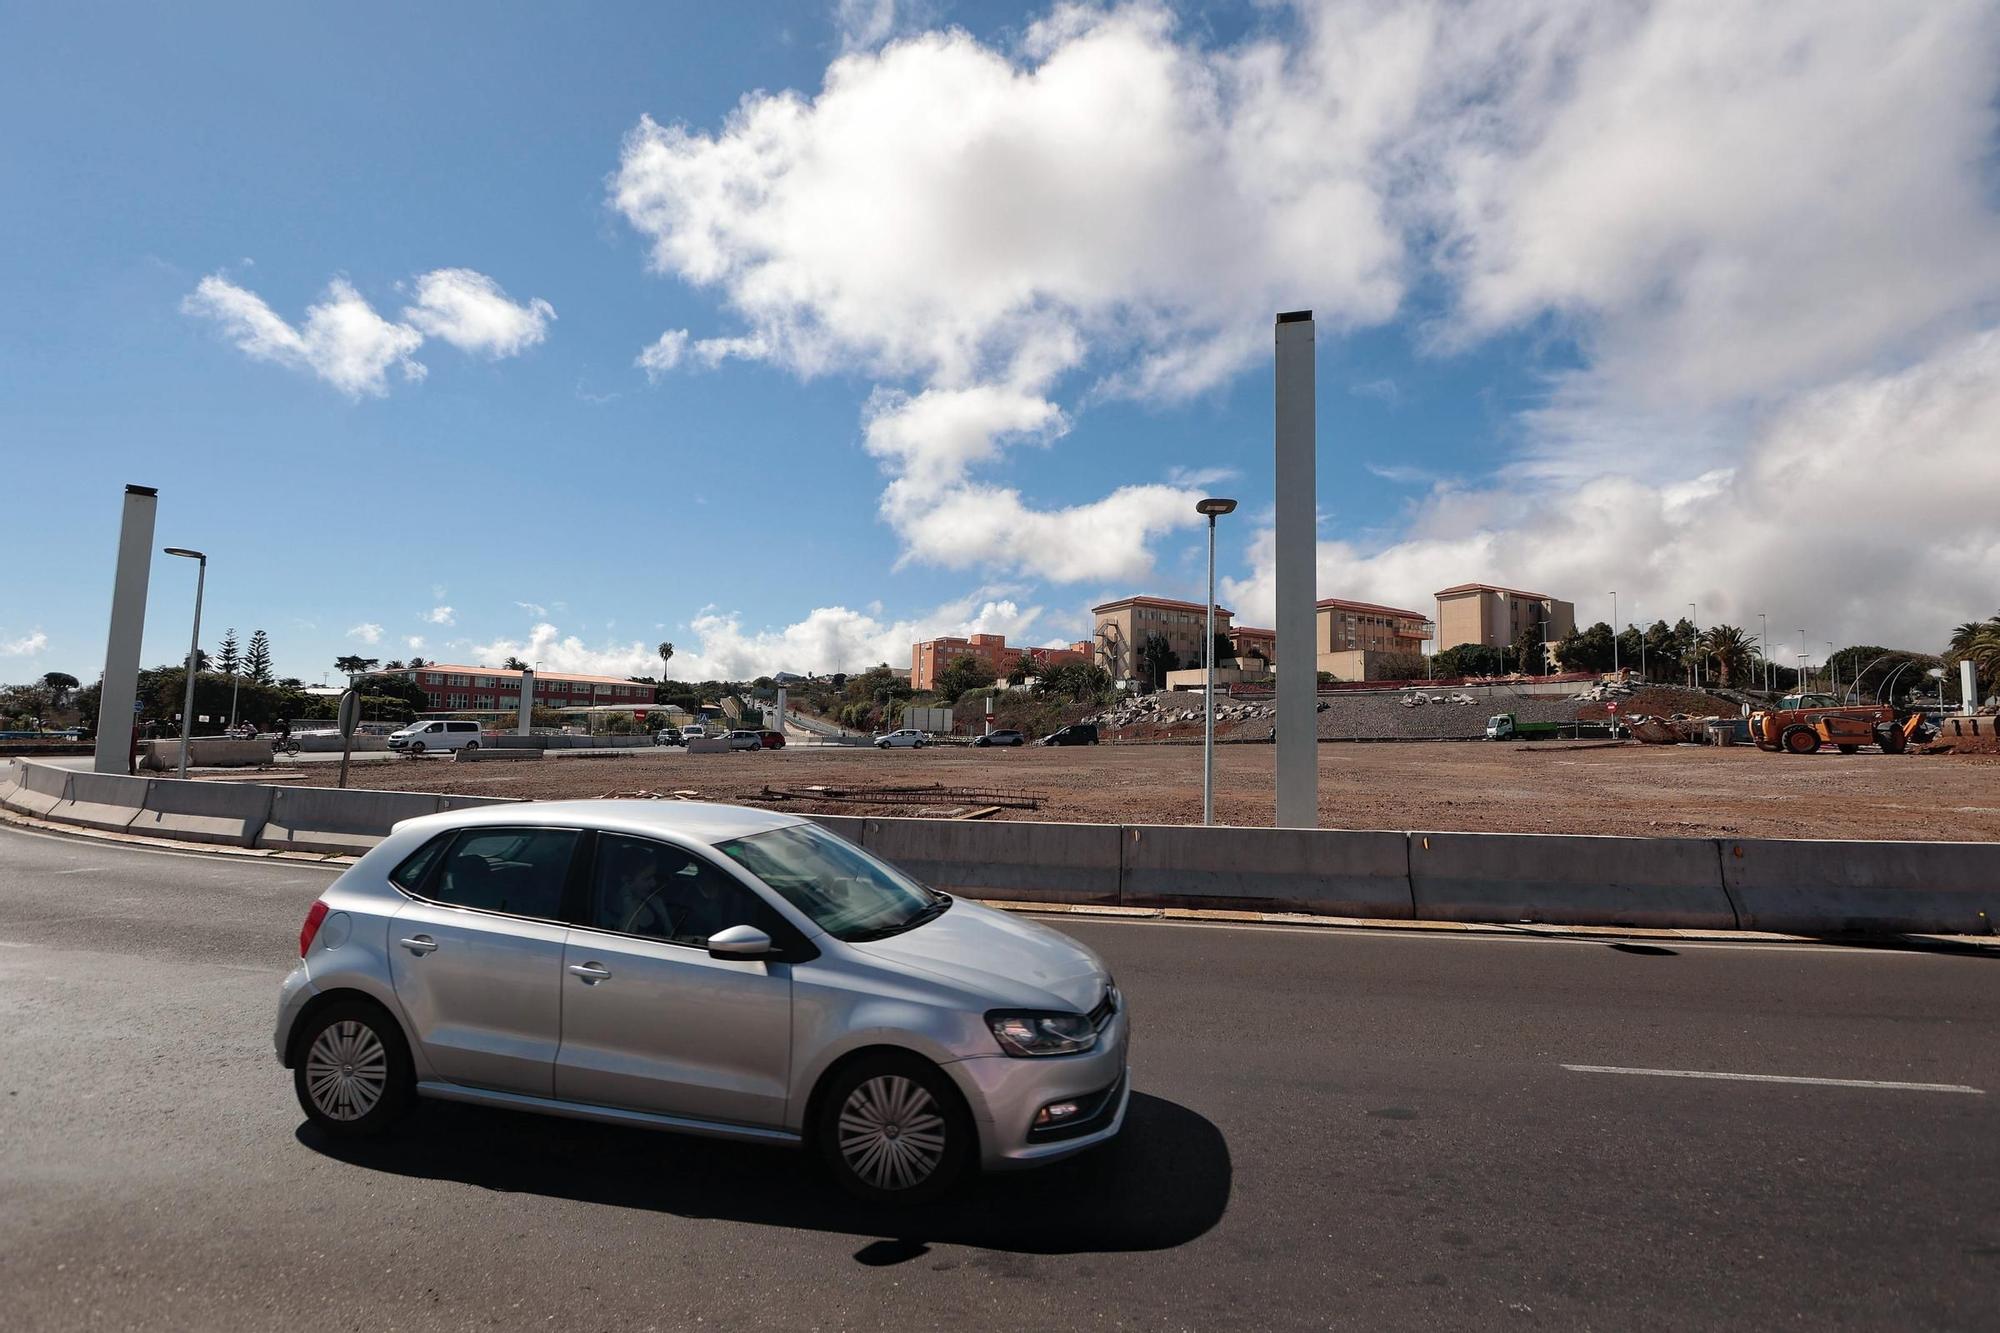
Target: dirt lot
<point x="1551" y="788"/>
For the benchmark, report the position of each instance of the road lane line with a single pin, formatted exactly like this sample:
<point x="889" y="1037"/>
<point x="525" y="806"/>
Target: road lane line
<point x="1779" y="1078"/>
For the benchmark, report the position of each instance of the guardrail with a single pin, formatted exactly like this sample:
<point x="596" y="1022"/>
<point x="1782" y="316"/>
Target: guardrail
<point x="1797" y="886"/>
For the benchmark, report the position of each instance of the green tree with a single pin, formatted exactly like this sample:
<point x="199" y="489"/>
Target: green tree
<point x="666" y="652"/>
<point x="961" y="674"/>
<point x="228" y="659"/>
<point x="1725" y="653"/>
<point x="1225" y="651"/>
<point x="351" y="665"/>
<point x="1467" y="659"/>
<point x="416" y="662"/>
<point x="1079" y="682"/>
<point x="1528" y="656"/>
<point x="257" y="661"/>
<point x="1024" y="667"/>
<point x="513" y="664"/>
<point x="1156" y="657"/>
<point x="1586" y="650"/>
<point x="58" y="684"/>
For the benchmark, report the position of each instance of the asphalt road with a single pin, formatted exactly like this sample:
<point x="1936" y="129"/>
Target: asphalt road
<point x="1332" y="1129"/>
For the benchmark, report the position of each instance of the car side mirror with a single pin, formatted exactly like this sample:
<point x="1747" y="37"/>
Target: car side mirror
<point x="745" y="943"/>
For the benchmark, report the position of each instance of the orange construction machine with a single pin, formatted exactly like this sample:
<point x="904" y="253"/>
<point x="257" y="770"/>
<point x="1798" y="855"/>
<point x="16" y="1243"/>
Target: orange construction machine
<point x="1802" y="723"/>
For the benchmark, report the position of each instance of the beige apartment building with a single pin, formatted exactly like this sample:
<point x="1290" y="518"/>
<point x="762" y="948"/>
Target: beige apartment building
<point x="1126" y="623"/>
<point x="1352" y="640"/>
<point x="1497" y="617"/>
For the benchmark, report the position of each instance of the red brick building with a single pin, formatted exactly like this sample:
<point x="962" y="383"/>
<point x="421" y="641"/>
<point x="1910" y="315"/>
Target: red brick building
<point x="991" y="651"/>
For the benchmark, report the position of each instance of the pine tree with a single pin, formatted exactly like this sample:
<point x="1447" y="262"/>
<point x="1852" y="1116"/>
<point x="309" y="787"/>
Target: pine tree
<point x="257" y="662"/>
<point x="227" y="658"/>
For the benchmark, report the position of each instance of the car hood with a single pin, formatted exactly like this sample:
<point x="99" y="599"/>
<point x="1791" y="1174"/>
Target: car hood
<point x="1015" y="961"/>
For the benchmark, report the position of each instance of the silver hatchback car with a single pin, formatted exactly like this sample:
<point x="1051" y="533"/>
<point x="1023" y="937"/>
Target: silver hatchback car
<point x="703" y="968"/>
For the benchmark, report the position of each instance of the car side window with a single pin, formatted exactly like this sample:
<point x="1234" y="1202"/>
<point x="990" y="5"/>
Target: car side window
<point x="661" y="892"/>
<point x="520" y="871"/>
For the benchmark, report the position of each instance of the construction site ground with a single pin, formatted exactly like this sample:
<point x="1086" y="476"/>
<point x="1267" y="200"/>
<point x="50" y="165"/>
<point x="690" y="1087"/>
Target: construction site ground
<point x="1496" y="787"/>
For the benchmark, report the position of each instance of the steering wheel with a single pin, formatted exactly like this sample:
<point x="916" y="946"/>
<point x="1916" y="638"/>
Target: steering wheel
<point x="650" y="903"/>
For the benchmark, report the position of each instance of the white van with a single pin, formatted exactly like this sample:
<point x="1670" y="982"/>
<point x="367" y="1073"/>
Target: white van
<point x="437" y="735"/>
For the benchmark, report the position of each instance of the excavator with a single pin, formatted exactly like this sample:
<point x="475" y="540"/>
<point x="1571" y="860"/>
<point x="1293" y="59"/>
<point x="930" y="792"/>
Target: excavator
<point x="1802" y="723"/>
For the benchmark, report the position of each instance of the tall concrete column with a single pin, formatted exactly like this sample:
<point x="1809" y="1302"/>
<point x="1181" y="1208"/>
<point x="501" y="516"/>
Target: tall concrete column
<point x="1297" y="556"/>
<point x="525" y="724"/>
<point x="128" y="626"/>
<point x="779" y="725"/>
<point x="1968" y="689"/>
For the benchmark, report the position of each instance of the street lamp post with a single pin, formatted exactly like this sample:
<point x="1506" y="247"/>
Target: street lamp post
<point x="1764" y="646"/>
<point x="1832" y="672"/>
<point x="1694" y="623"/>
<point x="194" y="650"/>
<point x="1212" y="508"/>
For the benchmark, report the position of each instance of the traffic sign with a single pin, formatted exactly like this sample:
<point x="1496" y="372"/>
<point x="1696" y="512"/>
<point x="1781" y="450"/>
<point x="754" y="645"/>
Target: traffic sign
<point x="350" y="713"/>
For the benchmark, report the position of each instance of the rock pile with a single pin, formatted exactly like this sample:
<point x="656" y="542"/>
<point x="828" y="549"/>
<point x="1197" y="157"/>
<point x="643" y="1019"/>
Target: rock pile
<point x="1177" y="708"/>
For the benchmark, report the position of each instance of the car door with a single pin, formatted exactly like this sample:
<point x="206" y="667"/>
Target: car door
<point x="650" y="1021"/>
<point x="477" y="957"/>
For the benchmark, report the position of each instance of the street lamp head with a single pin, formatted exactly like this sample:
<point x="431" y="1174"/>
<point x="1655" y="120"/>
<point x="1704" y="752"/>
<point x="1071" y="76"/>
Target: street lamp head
<point x="182" y="550"/>
<point x="1214" y="507"/>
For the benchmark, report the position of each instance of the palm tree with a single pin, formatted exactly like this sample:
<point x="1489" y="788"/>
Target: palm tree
<point x="666" y="651"/>
<point x="513" y="664"/>
<point x="1727" y="648"/>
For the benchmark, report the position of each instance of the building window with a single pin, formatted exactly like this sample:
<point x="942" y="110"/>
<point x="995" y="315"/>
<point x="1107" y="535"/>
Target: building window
<point x="486" y="682"/>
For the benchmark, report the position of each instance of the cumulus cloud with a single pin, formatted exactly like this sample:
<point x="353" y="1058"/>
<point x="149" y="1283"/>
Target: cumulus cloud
<point x="27" y="645"/>
<point x="663" y="354"/>
<point x="1711" y="220"/>
<point x="834" y="638"/>
<point x="535" y="609"/>
<point x="440" y="615"/>
<point x="415" y="642"/>
<point x="346" y="343"/>
<point x="343" y="340"/>
<point x="366" y="632"/>
<point x="1755" y="537"/>
<point x="471" y="312"/>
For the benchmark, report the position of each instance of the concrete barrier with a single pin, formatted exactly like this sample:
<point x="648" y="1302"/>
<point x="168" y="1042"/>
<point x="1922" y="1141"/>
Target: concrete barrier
<point x="1326" y="871"/>
<point x="331" y="744"/>
<point x="854" y="828"/>
<point x="104" y="801"/>
<point x="10" y="781"/>
<point x="1563" y="879"/>
<point x="709" y="745"/>
<point x="42" y="789"/>
<point x="230" y="813"/>
<point x="484" y="755"/>
<point x="206" y="752"/>
<point x="1059" y="863"/>
<point x="329" y="820"/>
<point x="1837" y="887"/>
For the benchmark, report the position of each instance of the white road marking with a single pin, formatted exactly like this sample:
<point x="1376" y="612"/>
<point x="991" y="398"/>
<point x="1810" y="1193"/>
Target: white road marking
<point x="80" y="870"/>
<point x="1780" y="1078"/>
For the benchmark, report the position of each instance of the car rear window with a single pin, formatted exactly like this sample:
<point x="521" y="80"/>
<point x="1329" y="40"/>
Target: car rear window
<point x="519" y="871"/>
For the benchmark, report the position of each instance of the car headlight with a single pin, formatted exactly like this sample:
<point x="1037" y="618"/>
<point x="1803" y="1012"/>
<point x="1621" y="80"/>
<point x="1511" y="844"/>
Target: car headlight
<point x="1034" y="1033"/>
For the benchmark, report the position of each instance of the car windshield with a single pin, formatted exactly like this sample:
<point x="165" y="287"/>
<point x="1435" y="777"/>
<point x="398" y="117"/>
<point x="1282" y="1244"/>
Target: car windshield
<point x="847" y="893"/>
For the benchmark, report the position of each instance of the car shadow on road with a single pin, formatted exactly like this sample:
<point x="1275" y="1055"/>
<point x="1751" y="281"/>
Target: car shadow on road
<point x="1161" y="1183"/>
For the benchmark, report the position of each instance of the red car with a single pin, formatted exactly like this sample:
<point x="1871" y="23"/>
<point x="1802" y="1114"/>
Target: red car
<point x="773" y="740"/>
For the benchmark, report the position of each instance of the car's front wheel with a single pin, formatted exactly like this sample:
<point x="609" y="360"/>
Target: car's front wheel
<point x="353" y="1075"/>
<point x="892" y="1129"/>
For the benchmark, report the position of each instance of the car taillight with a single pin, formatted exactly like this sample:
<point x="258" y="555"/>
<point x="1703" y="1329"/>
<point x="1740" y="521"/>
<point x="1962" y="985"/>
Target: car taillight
<point x="314" y="916"/>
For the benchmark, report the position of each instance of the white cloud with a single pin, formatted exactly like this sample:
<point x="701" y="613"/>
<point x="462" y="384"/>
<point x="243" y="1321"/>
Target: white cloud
<point x="471" y="312"/>
<point x="343" y="340"/>
<point x="1761" y="536"/>
<point x="834" y="638"/>
<point x="347" y="344"/>
<point x="533" y="608"/>
<point x="366" y="632"/>
<point x="440" y="615"/>
<point x="1714" y="220"/>
<point x="415" y="642"/>
<point x="28" y="645"/>
<point x="663" y="354"/>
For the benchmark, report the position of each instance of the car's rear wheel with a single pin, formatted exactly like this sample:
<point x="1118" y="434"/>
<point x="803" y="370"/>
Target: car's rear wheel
<point x="472" y="745"/>
<point x="353" y="1075"/>
<point x="893" y="1130"/>
<point x="1800" y="740"/>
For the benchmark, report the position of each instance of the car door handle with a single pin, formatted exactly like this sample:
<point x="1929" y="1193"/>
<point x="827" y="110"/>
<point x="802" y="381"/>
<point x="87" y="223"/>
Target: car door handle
<point x="419" y="944"/>
<point x="592" y="973"/>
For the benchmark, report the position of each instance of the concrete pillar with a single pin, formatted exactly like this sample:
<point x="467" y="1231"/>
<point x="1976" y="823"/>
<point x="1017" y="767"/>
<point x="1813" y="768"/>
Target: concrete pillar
<point x="128" y="626"/>
<point x="1968" y="689"/>
<point x="779" y="725"/>
<point x="1297" y="560"/>
<point x="526" y="722"/>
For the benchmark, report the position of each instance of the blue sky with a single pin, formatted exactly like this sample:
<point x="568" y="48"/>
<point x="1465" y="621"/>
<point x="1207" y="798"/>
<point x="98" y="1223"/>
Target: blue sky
<point x="1596" y="292"/>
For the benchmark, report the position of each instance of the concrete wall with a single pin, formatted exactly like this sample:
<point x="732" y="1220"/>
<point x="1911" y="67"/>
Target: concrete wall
<point x="1802" y="887"/>
<point x="205" y="752"/>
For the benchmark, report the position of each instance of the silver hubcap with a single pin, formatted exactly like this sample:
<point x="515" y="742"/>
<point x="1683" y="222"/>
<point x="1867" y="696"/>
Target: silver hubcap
<point x="346" y="1070"/>
<point x="891" y="1134"/>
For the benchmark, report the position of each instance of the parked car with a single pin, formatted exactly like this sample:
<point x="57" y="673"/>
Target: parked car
<point x="746" y="740"/>
<point x="1076" y="733"/>
<point x="668" y="736"/>
<point x="697" y="732"/>
<point x="436" y="735"/>
<point x="773" y="740"/>
<point x="906" y="738"/>
<point x="519" y="956"/>
<point x="1005" y="736"/>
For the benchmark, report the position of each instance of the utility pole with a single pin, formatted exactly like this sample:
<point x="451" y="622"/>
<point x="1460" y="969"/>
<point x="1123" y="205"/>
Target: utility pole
<point x="1295" y="437"/>
<point x="1614" y="631"/>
